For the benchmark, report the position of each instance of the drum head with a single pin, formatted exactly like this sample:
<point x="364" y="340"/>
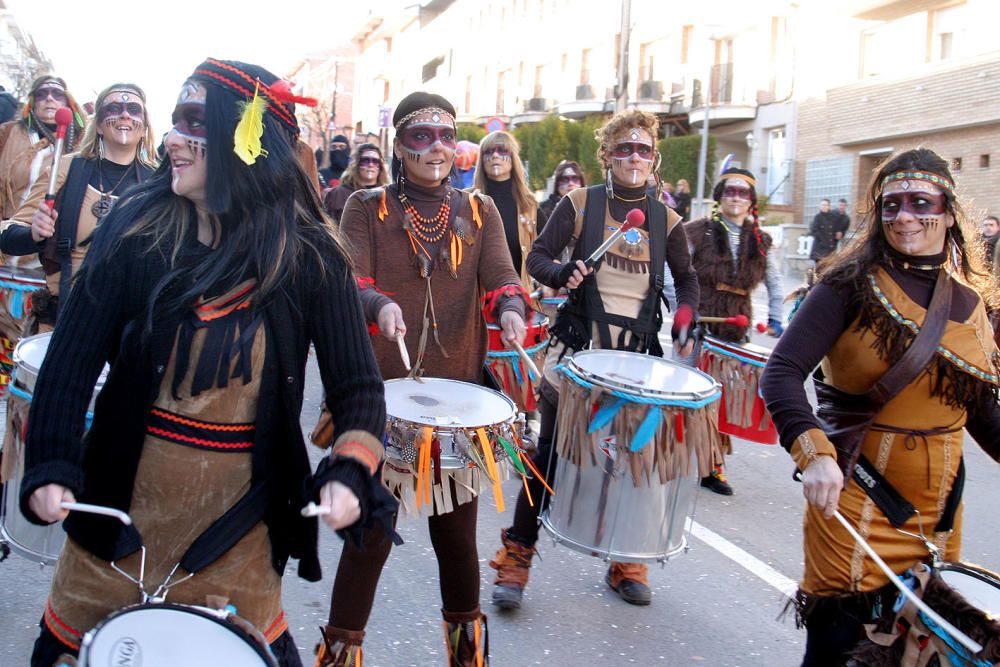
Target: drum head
<point x="742" y="350"/>
<point x="168" y="635"/>
<point x="439" y="402"/>
<point x="642" y="374"/>
<point x="29" y="355"/>
<point x="980" y="588"/>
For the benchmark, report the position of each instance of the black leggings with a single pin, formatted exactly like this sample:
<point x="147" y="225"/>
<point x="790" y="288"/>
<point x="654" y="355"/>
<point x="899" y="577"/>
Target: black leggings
<point x="48" y="649"/>
<point x="453" y="536"/>
<point x="525" y="528"/>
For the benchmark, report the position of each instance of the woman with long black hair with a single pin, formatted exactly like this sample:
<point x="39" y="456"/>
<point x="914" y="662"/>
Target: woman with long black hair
<point x="203" y="289"/>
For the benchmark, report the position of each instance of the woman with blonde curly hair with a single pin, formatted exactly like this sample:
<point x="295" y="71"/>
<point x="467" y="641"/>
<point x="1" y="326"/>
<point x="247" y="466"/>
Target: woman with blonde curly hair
<point x="114" y="155"/>
<point x="500" y="174"/>
<point x="615" y="305"/>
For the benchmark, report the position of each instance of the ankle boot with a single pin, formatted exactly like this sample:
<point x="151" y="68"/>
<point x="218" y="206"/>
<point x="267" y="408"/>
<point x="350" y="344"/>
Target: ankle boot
<point x="466" y="638"/>
<point x="512" y="563"/>
<point x="630" y="581"/>
<point x="339" y="648"/>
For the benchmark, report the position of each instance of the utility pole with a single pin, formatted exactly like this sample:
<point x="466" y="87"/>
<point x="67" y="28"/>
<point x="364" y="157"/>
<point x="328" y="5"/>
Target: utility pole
<point x="621" y="89"/>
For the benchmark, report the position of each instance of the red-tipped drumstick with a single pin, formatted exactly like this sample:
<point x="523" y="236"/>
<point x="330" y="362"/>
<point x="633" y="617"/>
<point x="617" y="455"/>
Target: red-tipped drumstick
<point x="633" y="219"/>
<point x="738" y="320"/>
<point x="64" y="117"/>
<point x="761" y="327"/>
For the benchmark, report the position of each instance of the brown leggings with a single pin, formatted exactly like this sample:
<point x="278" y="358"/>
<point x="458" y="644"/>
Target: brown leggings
<point x="453" y="536"/>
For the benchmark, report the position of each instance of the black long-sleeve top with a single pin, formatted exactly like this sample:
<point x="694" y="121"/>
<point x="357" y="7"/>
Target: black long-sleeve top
<point x="823" y="317"/>
<point x="103" y="322"/>
<point x="545" y="253"/>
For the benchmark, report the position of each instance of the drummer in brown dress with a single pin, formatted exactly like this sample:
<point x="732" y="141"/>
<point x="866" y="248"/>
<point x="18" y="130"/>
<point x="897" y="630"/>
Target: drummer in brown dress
<point x="614" y="306"/>
<point x="731" y="255"/>
<point x="424" y="252"/>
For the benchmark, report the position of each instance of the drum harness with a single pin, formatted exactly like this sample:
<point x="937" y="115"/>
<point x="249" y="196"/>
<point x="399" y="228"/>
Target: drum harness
<point x="584" y="305"/>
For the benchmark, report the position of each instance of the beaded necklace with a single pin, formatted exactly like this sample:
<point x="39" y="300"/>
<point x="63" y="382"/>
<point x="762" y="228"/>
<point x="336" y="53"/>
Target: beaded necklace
<point x="428" y="230"/>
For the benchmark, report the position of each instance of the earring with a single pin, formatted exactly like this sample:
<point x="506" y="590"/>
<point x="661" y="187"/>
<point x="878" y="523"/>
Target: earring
<point x="100" y="146"/>
<point x="402" y="176"/>
<point x="609" y="184"/>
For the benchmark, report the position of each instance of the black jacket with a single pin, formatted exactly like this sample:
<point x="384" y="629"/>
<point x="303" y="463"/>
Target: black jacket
<point x="102" y="321"/>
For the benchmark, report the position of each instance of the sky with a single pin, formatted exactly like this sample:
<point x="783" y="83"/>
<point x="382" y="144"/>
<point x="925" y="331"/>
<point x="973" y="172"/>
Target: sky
<point x="158" y="43"/>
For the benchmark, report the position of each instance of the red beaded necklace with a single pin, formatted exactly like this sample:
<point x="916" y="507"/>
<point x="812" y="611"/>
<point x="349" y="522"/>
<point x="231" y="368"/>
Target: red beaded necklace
<point x="428" y="230"/>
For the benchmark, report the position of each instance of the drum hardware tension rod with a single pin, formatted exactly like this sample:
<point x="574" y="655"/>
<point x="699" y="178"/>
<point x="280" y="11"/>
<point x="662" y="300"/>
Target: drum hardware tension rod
<point x="960" y="636"/>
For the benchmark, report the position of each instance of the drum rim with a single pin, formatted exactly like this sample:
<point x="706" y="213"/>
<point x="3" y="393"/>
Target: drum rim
<point x="973" y="571"/>
<point x="747" y="353"/>
<point x="19" y="359"/>
<point x="451" y="427"/>
<point x="205" y="612"/>
<point x="538" y="320"/>
<point x="632" y="389"/>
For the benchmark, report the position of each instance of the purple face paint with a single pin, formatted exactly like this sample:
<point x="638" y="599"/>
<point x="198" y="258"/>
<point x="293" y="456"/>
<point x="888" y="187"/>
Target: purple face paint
<point x="927" y="208"/>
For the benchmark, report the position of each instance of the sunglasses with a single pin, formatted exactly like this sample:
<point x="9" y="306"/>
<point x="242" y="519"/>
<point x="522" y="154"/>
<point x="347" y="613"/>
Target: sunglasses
<point x="570" y="179"/>
<point x="627" y="149"/>
<point x="56" y="94"/>
<point x="369" y="162"/>
<point x="116" y="109"/>
<point x="735" y="192"/>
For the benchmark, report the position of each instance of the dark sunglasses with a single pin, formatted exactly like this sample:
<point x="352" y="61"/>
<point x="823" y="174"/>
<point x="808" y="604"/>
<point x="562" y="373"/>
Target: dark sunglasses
<point x="369" y="162"/>
<point x="570" y="179"/>
<point x="57" y="94"/>
<point x="498" y="151"/>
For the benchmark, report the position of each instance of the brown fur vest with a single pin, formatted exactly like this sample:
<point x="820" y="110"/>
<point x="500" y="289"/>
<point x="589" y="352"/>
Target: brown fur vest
<point x="726" y="284"/>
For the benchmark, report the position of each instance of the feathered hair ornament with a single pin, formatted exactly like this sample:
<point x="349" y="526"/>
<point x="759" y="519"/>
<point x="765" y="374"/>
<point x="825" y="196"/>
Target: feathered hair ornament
<point x="246" y="141"/>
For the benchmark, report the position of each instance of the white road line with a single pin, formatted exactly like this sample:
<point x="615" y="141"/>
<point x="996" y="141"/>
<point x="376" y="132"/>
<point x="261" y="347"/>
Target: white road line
<point x="755" y="566"/>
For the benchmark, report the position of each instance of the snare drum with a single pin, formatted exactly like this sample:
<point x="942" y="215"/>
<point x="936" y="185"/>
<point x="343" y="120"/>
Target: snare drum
<point x="738" y="368"/>
<point x="38" y="543"/>
<point x="510" y="371"/>
<point x="635" y="434"/>
<point x="168" y="635"/>
<point x="16" y="289"/>
<point x="438" y="428"/>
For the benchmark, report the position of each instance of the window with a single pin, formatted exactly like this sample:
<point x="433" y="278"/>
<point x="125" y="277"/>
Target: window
<point x="468" y="94"/>
<point x="827" y="178"/>
<point x="539" y="73"/>
<point x="584" y="67"/>
<point x="944" y="44"/>
<point x="501" y="94"/>
<point x="984" y="161"/>
<point x="686" y="43"/>
<point x="646" y="62"/>
<point x="563" y="63"/>
<point x="778" y="166"/>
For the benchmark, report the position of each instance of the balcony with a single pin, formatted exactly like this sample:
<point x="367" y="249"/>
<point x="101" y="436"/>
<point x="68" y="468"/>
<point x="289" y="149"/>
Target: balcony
<point x="651" y="98"/>
<point x="728" y="101"/>
<point x="585" y="104"/>
<point x="535" y="110"/>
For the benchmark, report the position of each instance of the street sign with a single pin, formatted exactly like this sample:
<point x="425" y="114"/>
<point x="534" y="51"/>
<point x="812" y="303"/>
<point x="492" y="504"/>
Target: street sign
<point x="495" y="124"/>
<point x="383" y="116"/>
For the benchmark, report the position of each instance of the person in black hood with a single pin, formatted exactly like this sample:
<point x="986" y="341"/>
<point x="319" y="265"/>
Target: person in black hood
<point x="340" y="156"/>
<point x="567" y="177"/>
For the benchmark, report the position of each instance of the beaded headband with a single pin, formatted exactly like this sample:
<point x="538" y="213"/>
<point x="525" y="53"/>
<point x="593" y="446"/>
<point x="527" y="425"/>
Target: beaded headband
<point x="749" y="179"/>
<point x="419" y="112"/>
<point x="940" y="181"/>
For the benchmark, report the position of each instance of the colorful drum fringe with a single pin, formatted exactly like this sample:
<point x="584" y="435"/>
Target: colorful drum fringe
<point x="513" y="376"/>
<point x="660" y="438"/>
<point x="742" y="413"/>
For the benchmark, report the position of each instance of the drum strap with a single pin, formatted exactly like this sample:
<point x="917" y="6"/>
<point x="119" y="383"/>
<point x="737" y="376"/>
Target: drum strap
<point x="56" y="253"/>
<point x="586" y="303"/>
<point x="227" y="530"/>
<point x="898" y="509"/>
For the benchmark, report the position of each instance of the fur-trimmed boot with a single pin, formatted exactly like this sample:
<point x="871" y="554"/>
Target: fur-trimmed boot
<point x="512" y="563"/>
<point x="340" y="648"/>
<point x="466" y="638"/>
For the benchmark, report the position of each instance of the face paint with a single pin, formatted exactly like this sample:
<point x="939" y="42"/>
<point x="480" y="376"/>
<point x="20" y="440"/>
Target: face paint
<point x="737" y="192"/>
<point x="499" y="152"/>
<point x="929" y="209"/>
<point x="626" y="149"/>
<point x="418" y="139"/>
<point x="122" y="112"/>
<point x="189" y="117"/>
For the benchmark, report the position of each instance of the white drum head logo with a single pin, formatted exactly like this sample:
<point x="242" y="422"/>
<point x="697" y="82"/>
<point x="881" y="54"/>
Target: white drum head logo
<point x="126" y="653"/>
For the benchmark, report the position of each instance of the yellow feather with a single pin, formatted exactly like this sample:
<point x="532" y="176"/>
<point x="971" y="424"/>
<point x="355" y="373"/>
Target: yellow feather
<point x="246" y="141"/>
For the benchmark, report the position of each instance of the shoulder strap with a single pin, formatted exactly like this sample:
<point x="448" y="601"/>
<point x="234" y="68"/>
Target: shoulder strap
<point x="922" y="350"/>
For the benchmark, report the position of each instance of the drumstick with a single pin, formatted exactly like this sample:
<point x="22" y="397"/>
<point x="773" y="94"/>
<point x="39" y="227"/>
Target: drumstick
<point x="312" y="509"/>
<point x="738" y="320"/>
<point x="964" y="639"/>
<point x="64" y="117"/>
<point x="402" y="350"/>
<point x="527" y="360"/>
<point x="97" y="509"/>
<point x="633" y="219"/>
